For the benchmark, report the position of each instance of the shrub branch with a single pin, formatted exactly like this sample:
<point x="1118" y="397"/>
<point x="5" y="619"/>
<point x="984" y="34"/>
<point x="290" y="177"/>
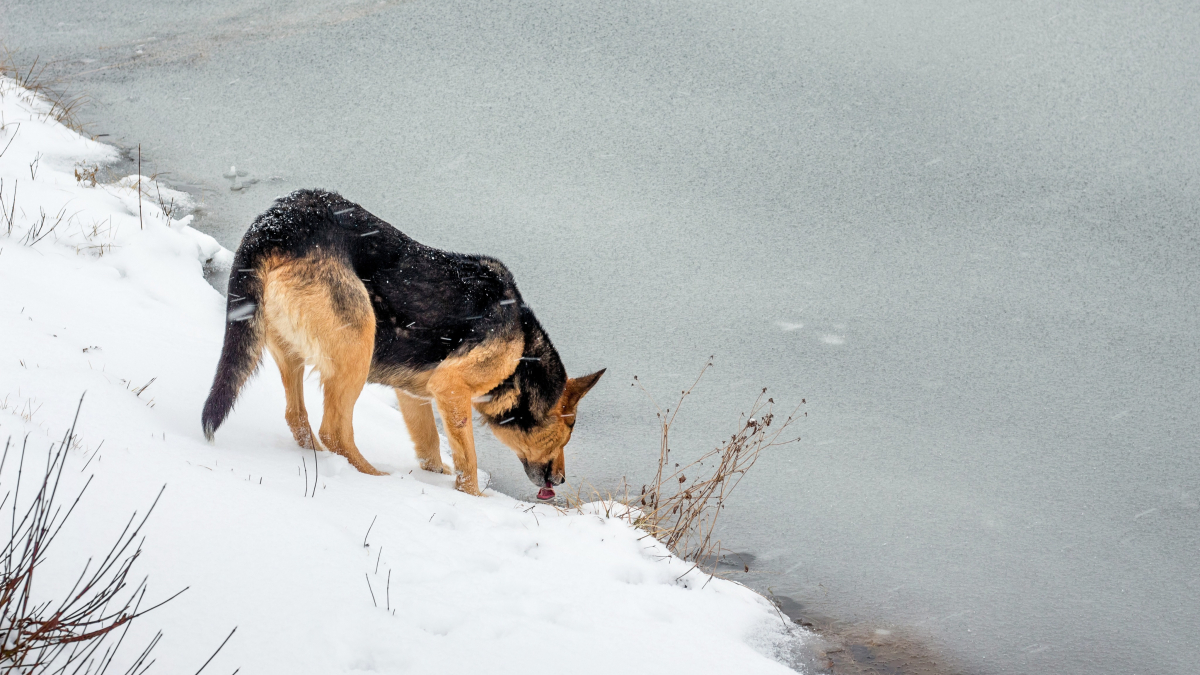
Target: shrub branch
<point x="81" y="632"/>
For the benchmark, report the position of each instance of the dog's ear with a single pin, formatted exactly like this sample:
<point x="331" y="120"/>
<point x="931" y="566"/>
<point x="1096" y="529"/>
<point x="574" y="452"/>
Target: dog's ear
<point x="577" y="387"/>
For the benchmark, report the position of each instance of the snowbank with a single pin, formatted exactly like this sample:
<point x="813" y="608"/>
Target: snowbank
<point x="108" y="301"/>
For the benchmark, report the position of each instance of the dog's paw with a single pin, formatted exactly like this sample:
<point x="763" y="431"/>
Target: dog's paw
<point x="365" y="467"/>
<point x="435" y="467"/>
<point x="305" y="438"/>
<point x="470" y="487"/>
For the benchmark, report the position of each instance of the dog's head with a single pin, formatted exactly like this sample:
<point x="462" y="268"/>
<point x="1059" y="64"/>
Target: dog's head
<point x="540" y="448"/>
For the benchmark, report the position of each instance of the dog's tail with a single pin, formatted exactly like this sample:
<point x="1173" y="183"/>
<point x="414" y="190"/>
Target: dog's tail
<point x="245" y="328"/>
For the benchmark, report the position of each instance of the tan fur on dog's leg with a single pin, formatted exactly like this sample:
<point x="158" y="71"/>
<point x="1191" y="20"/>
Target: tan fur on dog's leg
<point x="291" y="369"/>
<point x="453" y="398"/>
<point x="347" y="358"/>
<point x="422" y="429"/>
<point x="337" y="428"/>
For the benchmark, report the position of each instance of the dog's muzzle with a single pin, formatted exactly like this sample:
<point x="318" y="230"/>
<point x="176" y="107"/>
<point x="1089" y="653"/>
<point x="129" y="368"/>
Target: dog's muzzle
<point x="540" y="474"/>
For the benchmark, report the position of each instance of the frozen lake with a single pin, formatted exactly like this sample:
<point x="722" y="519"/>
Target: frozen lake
<point x="966" y="233"/>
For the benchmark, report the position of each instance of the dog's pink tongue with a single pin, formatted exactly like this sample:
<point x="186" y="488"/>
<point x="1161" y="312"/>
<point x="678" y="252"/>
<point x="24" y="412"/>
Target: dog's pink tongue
<point x="546" y="492"/>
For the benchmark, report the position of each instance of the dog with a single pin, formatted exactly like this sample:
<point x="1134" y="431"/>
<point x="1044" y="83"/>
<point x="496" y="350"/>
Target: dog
<point x="318" y="280"/>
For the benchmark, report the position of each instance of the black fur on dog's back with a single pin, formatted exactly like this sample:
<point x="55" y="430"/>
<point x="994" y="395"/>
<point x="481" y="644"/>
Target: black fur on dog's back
<point x="429" y="304"/>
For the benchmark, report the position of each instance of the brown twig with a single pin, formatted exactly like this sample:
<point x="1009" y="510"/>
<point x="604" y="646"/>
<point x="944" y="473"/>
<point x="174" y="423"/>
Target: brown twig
<point x="11" y="213"/>
<point x="682" y="512"/>
<point x="11" y="139"/>
<point x="66" y="635"/>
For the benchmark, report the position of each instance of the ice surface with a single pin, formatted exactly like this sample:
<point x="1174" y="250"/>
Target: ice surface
<point x="996" y="201"/>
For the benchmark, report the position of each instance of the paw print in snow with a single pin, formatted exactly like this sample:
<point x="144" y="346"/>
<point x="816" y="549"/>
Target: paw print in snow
<point x="237" y="179"/>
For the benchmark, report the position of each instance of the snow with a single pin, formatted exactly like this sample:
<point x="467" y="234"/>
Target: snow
<point x="320" y="568"/>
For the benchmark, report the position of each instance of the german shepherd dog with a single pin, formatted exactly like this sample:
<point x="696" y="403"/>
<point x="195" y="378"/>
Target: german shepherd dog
<point x="318" y="280"/>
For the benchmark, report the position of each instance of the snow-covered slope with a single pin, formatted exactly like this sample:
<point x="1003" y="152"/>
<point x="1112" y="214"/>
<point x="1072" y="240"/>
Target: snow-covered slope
<point x="108" y="302"/>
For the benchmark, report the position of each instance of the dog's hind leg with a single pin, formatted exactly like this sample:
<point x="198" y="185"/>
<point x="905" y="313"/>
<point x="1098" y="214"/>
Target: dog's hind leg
<point x="321" y="310"/>
<point x="346" y="360"/>
<point x="291" y="369"/>
<point x="342" y="388"/>
<point x="418" y="417"/>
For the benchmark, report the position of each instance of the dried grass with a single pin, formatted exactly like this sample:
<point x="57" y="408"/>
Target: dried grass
<point x="8" y="210"/>
<point x="681" y="505"/>
<point x="100" y="237"/>
<point x="86" y="173"/>
<point x="38" y="229"/>
<point x="63" y="107"/>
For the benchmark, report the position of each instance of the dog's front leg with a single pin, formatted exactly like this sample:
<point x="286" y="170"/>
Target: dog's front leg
<point x="422" y="429"/>
<point x="453" y="399"/>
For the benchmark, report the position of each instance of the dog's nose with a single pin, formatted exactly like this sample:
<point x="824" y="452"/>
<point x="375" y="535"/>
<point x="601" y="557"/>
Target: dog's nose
<point x="537" y="473"/>
<point x="556" y="479"/>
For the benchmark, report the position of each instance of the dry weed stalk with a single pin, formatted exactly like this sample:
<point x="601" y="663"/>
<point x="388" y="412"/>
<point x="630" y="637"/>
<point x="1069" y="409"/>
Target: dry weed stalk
<point x="95" y="235"/>
<point x="86" y="173"/>
<point x="37" y="229"/>
<point x="9" y="213"/>
<point x="11" y="138"/>
<point x="63" y="108"/>
<point x="682" y="511"/>
<point x="168" y="208"/>
<point x="80" y="633"/>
